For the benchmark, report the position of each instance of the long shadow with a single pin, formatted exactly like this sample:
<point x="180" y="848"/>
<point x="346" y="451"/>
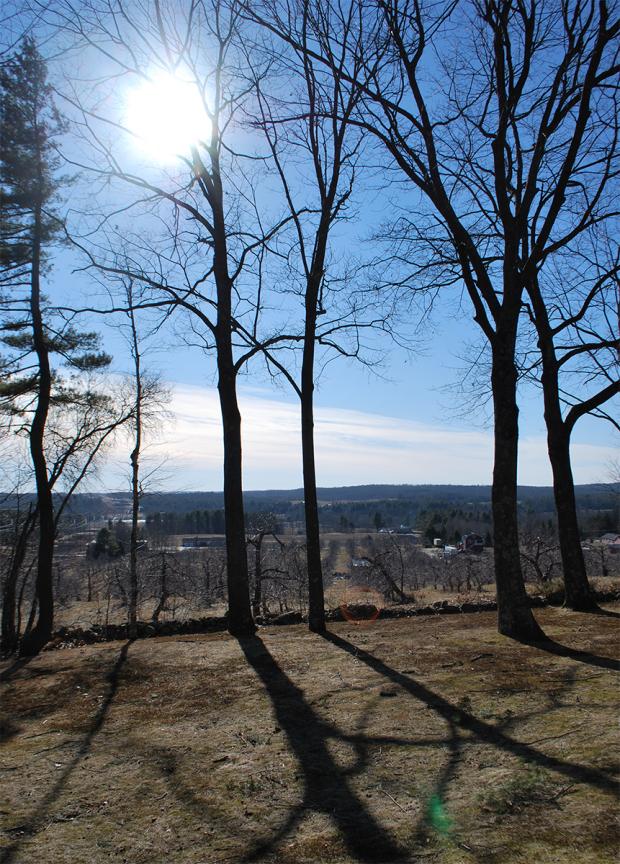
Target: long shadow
<point x="169" y="767"/>
<point x="552" y="647"/>
<point x="37" y="818"/>
<point x="326" y="785"/>
<point x="15" y="666"/>
<point x="604" y="613"/>
<point x="553" y="699"/>
<point x="601" y="779"/>
<point x="433" y="818"/>
<point x="8" y="727"/>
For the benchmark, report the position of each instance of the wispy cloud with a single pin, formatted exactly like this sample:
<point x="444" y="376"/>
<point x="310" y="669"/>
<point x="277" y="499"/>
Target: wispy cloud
<point x="352" y="447"/>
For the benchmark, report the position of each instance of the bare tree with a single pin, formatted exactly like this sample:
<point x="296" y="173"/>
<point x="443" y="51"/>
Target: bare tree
<point x="392" y="559"/>
<point x="262" y="525"/>
<point x="136" y="487"/>
<point x="540" y="557"/>
<point x="313" y="120"/>
<point x="491" y="162"/>
<point x="79" y="426"/>
<point x="575" y="320"/>
<point x="148" y="397"/>
<point x="206" y="260"/>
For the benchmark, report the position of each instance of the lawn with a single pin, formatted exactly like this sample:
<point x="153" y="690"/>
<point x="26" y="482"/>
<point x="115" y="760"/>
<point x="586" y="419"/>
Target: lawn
<point x="422" y="739"/>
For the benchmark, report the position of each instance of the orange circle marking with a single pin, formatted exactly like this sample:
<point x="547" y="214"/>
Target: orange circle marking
<point x="361" y="604"/>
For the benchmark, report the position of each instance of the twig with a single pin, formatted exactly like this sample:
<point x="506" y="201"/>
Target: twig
<point x="58" y="746"/>
<point x="596" y="675"/>
<point x="553" y="737"/>
<point x="391" y="797"/>
<point x="563" y="791"/>
<point x="41" y="734"/>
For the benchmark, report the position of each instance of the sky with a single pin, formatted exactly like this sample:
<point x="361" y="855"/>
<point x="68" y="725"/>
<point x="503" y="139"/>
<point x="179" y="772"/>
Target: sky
<point x="398" y="422"/>
<point x="354" y="445"/>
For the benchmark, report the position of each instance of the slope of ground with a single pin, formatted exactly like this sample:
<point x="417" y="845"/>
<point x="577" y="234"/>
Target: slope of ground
<point x="426" y="739"/>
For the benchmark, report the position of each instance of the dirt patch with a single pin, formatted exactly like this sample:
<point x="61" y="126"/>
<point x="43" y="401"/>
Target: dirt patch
<point x="421" y="739"/>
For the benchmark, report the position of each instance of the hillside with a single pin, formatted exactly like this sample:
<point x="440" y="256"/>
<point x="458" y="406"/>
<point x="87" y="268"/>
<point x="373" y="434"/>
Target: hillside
<point x="431" y="740"/>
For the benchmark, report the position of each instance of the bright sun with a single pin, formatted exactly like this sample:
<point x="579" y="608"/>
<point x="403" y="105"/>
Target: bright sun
<point x="167" y="117"/>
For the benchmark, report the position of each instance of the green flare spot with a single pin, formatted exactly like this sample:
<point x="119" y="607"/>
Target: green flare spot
<point x="437" y="815"/>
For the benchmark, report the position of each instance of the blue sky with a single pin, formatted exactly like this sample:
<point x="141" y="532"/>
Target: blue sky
<point x="368" y="430"/>
<point x="354" y="446"/>
<point x="399" y="426"/>
<point x="398" y="423"/>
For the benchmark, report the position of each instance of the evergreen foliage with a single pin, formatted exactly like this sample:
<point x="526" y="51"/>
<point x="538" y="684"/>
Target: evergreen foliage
<point x="28" y="161"/>
<point x="29" y="189"/>
<point x="36" y="339"/>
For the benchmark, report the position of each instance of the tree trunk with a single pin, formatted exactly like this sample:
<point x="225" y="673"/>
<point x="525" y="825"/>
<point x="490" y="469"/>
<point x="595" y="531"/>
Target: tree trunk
<point x="577" y="591"/>
<point x="240" y="622"/>
<point x="8" y="639"/>
<point x="397" y="593"/>
<point x="316" y="600"/>
<point x="515" y="618"/>
<point x="258" y="575"/>
<point x="10" y="630"/>
<point x="20" y="599"/>
<point x="41" y="633"/>
<point x="134" y="459"/>
<point x="163" y="591"/>
<point x="31" y="615"/>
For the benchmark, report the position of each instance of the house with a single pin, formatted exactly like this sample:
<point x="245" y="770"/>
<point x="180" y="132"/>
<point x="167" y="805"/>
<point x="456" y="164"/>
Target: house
<point x="471" y="543"/>
<point x="611" y="542"/>
<point x="202" y="541"/>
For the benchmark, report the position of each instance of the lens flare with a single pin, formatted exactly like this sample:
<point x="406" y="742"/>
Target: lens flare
<point x="360" y="604"/>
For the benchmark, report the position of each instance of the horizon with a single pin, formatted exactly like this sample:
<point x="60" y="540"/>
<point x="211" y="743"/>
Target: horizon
<point x="354" y="446"/>
<point x="280" y="490"/>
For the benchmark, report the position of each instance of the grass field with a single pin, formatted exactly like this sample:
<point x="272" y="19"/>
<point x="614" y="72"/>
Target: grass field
<point x="428" y="739"/>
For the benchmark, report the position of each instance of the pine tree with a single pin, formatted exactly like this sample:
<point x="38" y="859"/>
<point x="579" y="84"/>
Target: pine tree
<point x="29" y="229"/>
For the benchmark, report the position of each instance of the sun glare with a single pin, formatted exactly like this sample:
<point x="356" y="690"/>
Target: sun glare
<point x="166" y="116"/>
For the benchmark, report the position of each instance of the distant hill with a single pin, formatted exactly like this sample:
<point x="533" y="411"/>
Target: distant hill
<point x="592" y="496"/>
<point x="589" y="496"/>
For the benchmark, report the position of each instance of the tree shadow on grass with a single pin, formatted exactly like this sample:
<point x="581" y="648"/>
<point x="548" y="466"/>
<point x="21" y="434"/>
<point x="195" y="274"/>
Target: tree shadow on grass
<point x="327" y="787"/>
<point x="481" y="730"/>
<point x="37" y="703"/>
<point x="604" y="613"/>
<point x="553" y="647"/>
<point x="34" y="823"/>
<point x="14" y="668"/>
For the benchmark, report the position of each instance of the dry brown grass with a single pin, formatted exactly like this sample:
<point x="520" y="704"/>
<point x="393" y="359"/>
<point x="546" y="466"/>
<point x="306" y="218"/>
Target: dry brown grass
<point x="426" y="739"/>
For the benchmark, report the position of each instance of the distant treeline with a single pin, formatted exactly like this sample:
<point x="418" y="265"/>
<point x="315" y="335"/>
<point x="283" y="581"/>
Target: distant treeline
<point x="401" y="502"/>
<point x="448" y="523"/>
<point x="194" y="522"/>
<point x="396" y="504"/>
